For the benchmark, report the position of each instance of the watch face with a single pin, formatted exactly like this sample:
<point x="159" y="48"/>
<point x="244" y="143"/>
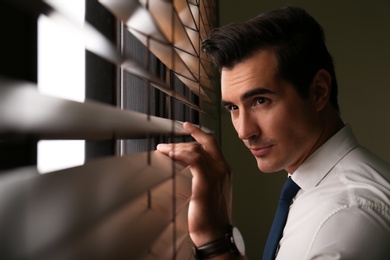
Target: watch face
<point x="238" y="241"/>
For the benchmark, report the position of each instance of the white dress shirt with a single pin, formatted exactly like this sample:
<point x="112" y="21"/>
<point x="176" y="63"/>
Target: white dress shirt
<point x="343" y="208"/>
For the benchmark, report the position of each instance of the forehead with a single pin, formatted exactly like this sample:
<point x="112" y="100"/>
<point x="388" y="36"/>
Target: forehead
<point x="258" y="71"/>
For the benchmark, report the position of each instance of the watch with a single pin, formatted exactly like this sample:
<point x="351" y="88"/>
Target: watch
<point x="232" y="242"/>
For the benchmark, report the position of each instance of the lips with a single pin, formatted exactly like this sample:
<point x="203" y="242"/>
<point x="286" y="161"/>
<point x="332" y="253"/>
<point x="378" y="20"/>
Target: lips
<point x="260" y="151"/>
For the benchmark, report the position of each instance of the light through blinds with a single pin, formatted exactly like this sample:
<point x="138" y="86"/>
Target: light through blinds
<point x="53" y="65"/>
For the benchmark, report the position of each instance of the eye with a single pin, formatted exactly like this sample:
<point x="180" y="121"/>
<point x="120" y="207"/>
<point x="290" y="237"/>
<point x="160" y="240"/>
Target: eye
<point x="232" y="107"/>
<point x="260" y="100"/>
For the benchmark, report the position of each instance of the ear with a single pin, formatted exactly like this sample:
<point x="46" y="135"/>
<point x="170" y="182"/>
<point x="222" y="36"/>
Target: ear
<point x="321" y="88"/>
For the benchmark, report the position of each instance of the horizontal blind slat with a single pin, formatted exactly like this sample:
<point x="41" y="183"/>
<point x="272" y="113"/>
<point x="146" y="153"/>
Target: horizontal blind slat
<point x="165" y="248"/>
<point x="173" y="237"/>
<point x="185" y="251"/>
<point x="141" y="228"/>
<point x="170" y="24"/>
<point x="168" y="40"/>
<point x="126" y="234"/>
<point x="23" y="110"/>
<point x="99" y="44"/>
<point x="187" y="13"/>
<point x="195" y="86"/>
<point x="39" y="211"/>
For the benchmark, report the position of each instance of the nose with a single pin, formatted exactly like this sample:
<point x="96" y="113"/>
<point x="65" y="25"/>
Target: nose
<point x="247" y="126"/>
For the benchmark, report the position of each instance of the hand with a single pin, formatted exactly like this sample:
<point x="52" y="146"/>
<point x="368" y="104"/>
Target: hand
<point x="209" y="209"/>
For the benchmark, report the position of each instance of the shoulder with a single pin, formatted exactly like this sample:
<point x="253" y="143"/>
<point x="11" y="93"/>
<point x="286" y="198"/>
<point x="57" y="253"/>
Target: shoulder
<point x="358" y="227"/>
<point x="363" y="160"/>
<point x="357" y="222"/>
<point x="365" y="177"/>
<point x="353" y="232"/>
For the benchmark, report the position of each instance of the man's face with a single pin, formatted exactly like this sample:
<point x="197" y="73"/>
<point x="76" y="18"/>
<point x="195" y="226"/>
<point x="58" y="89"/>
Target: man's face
<point x="278" y="126"/>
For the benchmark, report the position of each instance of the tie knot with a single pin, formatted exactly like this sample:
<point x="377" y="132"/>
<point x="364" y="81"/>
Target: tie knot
<point x="289" y="190"/>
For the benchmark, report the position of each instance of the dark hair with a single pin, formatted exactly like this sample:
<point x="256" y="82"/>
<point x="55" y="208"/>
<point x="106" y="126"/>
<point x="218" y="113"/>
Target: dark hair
<point x="296" y="38"/>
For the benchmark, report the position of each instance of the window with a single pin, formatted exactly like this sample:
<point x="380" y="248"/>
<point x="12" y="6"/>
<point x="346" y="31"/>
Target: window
<point x="144" y="73"/>
<point x="62" y="74"/>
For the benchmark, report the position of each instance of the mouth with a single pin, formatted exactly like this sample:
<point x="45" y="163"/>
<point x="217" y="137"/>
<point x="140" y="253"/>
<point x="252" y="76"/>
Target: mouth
<point x="260" y="151"/>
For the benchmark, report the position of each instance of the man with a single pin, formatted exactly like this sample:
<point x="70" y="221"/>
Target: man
<point x="279" y="84"/>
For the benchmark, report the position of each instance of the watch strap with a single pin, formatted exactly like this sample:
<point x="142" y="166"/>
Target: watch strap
<point x="211" y="249"/>
<point x="217" y="247"/>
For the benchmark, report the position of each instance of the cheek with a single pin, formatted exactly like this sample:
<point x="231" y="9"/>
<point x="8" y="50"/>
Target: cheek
<point x="288" y="126"/>
<point x="294" y="131"/>
<point x="293" y="115"/>
<point x="273" y="122"/>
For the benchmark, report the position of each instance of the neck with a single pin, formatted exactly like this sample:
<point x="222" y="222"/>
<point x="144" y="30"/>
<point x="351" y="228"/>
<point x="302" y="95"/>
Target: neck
<point x="329" y="130"/>
<point x="331" y="124"/>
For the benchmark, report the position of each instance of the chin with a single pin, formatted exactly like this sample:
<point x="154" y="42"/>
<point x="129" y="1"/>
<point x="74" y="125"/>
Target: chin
<point x="267" y="167"/>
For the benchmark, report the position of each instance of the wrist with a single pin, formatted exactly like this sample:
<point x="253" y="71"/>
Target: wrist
<point x="231" y="242"/>
<point x="207" y="234"/>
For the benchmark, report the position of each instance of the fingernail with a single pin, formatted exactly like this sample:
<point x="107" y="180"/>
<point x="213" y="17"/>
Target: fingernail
<point x="162" y="147"/>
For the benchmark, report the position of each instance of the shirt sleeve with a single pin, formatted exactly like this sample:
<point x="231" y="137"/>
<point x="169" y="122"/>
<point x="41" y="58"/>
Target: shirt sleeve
<point x="356" y="232"/>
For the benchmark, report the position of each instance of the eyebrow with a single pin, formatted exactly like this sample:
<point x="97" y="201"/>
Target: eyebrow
<point x="249" y="94"/>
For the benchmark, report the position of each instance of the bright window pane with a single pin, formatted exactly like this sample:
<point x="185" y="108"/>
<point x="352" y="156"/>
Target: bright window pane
<point x="61" y="73"/>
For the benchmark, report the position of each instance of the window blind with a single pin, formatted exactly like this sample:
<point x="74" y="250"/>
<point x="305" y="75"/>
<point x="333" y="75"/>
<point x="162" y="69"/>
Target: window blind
<point x="133" y="203"/>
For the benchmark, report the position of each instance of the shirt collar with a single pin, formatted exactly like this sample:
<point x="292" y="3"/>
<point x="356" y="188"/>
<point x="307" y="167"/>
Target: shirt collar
<point x="310" y="173"/>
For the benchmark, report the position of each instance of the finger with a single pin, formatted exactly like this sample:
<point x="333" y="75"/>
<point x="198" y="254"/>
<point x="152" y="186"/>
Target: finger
<point x="206" y="140"/>
<point x="164" y="148"/>
<point x="186" y="157"/>
<point x="187" y="153"/>
<point x="199" y="135"/>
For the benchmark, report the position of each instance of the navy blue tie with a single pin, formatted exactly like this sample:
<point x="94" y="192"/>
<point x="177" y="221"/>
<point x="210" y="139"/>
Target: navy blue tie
<point x="289" y="190"/>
